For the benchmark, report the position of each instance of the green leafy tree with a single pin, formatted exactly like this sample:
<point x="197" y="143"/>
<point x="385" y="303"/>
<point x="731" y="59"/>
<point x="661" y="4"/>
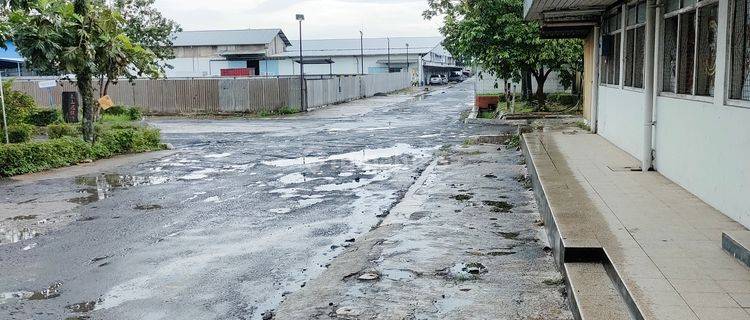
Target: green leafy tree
<point x="88" y="39"/>
<point x="494" y="34"/>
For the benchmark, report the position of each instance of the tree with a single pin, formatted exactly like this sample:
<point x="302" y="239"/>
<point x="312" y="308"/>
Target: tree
<point x="145" y="26"/>
<point x="495" y="34"/>
<point x="84" y="38"/>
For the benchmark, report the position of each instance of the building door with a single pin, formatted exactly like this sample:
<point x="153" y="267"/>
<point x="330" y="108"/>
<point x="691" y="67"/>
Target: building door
<point x="255" y="65"/>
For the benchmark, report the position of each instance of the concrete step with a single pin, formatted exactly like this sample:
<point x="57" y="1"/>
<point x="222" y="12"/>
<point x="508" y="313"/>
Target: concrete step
<point x="737" y="243"/>
<point x="593" y="293"/>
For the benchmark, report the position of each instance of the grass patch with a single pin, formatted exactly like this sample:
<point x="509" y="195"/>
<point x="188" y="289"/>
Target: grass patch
<point x="487" y="115"/>
<point x="278" y="112"/>
<point x="115" y="118"/>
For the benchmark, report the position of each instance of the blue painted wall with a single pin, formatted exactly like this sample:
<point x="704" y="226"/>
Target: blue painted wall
<point x="269" y="67"/>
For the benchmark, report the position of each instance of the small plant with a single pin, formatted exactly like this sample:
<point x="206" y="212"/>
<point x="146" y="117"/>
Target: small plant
<point x="486" y="115"/>
<point x="56" y="131"/>
<point x="19" y="133"/>
<point x="514" y="141"/>
<point x="122" y="113"/>
<point x="582" y="125"/>
<point x="44" y="117"/>
<point x="18" y="105"/>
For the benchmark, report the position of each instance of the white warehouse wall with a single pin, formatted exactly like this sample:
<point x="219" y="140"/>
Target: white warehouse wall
<point x="620" y="118"/>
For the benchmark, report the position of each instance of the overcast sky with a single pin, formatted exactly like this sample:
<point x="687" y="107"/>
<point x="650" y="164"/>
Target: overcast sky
<point x="323" y="18"/>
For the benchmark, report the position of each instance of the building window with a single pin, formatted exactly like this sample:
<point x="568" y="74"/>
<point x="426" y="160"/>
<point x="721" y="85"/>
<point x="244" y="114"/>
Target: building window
<point x="740" y="51"/>
<point x="610" y="53"/>
<point x="634" y="44"/>
<point x="688" y="68"/>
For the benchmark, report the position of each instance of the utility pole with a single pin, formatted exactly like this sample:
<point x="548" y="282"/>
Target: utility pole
<point x="300" y="18"/>
<point x="362" y="51"/>
<point x="407" y="57"/>
<point x="389" y="54"/>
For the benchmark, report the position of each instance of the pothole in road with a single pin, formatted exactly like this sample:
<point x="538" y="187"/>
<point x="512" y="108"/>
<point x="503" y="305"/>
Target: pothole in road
<point x="463" y="271"/>
<point x="53" y="291"/>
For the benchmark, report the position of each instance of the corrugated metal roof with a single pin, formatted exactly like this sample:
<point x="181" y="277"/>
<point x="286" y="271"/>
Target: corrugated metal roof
<point x="227" y="37"/>
<point x="372" y="46"/>
<point x="10" y="54"/>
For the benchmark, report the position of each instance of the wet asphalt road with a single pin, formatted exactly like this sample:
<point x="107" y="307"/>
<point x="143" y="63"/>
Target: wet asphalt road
<point x="245" y="212"/>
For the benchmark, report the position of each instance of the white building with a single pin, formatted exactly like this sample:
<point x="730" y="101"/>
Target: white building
<point x="206" y="53"/>
<point x="669" y="83"/>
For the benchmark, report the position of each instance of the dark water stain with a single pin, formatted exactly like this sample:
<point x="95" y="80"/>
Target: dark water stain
<point x="498" y="206"/>
<point x="491" y="176"/>
<point x="461" y="197"/>
<point x="89" y="218"/>
<point x="23" y="217"/>
<point x="509" y="235"/>
<point x="418" y="215"/>
<point x="97" y="259"/>
<point x="148" y="207"/>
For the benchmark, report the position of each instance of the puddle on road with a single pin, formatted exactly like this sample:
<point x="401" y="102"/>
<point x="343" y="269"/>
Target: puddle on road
<point x="103" y="186"/>
<point x="361" y="156"/>
<point x="16" y="235"/>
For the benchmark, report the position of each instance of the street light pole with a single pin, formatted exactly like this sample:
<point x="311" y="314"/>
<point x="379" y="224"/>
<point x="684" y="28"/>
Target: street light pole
<point x="300" y="18"/>
<point x="389" y="54"/>
<point x="2" y="102"/>
<point x="362" y="51"/>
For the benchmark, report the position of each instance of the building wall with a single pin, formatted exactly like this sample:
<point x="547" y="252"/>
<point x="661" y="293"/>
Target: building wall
<point x="700" y="143"/>
<point x="620" y="118"/>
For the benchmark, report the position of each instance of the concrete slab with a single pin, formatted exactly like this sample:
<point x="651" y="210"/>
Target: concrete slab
<point x="663" y="243"/>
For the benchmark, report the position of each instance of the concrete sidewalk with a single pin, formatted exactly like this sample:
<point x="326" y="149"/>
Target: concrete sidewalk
<point x="659" y="245"/>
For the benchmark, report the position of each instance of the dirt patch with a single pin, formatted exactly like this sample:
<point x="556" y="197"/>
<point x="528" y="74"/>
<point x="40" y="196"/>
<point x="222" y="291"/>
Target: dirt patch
<point x="509" y="235"/>
<point x="23" y="217"/>
<point x="148" y="207"/>
<point x="498" y="206"/>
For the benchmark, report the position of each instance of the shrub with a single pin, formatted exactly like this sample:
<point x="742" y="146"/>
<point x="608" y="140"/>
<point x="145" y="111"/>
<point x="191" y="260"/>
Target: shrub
<point x="563" y="98"/>
<point x="19" y="133"/>
<point x="135" y="114"/>
<point x="18" y="105"/>
<point x="55" y="131"/>
<point x="44" y="117"/>
<point x="42" y="155"/>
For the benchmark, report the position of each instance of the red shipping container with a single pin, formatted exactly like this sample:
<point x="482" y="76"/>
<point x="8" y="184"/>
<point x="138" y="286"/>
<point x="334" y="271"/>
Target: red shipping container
<point x="237" y="72"/>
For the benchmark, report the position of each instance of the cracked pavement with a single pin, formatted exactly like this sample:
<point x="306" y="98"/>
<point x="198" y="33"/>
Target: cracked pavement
<point x="246" y="212"/>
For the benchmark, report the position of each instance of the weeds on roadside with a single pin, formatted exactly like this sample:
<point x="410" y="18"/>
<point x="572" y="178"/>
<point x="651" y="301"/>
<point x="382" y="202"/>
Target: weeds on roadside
<point x="582" y="125"/>
<point x="514" y="141"/>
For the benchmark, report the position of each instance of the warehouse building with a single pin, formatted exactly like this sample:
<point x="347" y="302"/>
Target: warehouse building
<point x="230" y="52"/>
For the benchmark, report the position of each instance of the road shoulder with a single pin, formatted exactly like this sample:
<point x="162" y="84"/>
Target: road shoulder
<point x="465" y="242"/>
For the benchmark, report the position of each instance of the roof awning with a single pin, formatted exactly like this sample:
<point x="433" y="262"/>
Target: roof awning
<point x="315" y="61"/>
<point x="566" y="19"/>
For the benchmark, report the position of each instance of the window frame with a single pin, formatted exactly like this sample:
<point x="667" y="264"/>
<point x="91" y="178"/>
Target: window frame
<point x="637" y="4"/>
<point x="695" y="8"/>
<point x="609" y="16"/>
<point x="728" y="100"/>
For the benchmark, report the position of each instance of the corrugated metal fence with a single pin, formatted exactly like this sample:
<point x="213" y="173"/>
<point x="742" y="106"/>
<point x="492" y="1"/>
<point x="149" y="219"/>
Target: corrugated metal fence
<point x="217" y="95"/>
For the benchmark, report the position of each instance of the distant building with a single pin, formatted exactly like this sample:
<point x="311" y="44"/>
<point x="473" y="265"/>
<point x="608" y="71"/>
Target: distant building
<point x="207" y="53"/>
<point x="268" y="52"/>
<point x="11" y="63"/>
<point x="426" y="56"/>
